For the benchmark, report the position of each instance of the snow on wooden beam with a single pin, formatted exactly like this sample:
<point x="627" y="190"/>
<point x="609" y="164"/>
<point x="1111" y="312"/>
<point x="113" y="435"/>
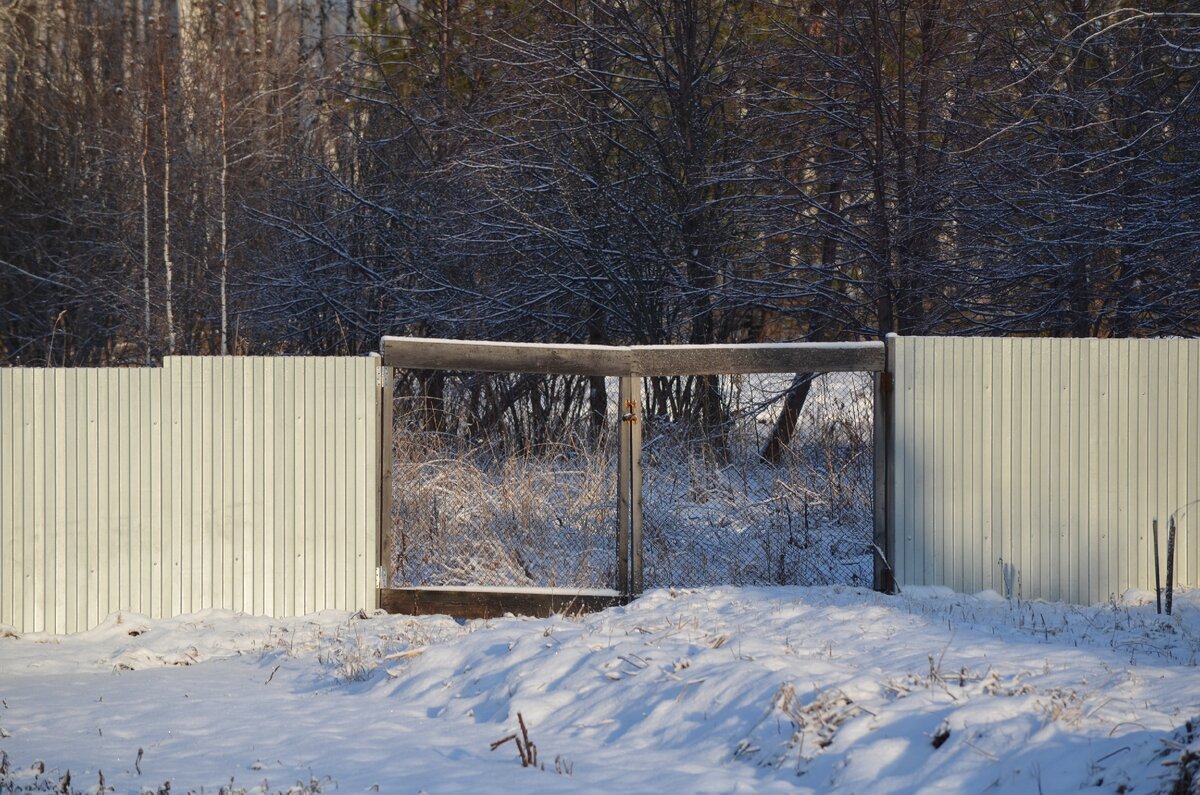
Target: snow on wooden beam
<point x="784" y="357"/>
<point x="525" y="357"/>
<point x="509" y="357"/>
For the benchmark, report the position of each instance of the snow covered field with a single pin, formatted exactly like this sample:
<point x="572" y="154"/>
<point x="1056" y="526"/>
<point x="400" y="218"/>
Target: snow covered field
<point x="712" y="690"/>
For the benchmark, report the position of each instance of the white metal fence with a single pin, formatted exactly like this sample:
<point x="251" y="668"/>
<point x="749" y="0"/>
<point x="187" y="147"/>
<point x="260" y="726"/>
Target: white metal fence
<point x="1029" y="466"/>
<point x="246" y="483"/>
<point x="1036" y="466"/>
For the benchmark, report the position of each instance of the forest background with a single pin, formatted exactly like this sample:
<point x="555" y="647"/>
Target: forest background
<point x="304" y="176"/>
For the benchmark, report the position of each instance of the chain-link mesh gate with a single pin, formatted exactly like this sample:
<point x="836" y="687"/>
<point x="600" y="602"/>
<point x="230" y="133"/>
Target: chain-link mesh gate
<point x="502" y="481"/>
<point x="715" y="511"/>
<point x="520" y="480"/>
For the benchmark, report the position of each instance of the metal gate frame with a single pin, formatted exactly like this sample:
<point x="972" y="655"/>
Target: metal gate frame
<point x="631" y="364"/>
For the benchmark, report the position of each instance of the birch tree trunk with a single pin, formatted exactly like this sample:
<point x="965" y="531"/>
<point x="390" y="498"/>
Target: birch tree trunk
<point x="224" y="214"/>
<point x="146" y="224"/>
<point x="168" y="268"/>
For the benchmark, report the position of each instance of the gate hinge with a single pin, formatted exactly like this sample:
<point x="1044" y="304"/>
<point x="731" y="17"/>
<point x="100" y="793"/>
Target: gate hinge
<point x="380" y="576"/>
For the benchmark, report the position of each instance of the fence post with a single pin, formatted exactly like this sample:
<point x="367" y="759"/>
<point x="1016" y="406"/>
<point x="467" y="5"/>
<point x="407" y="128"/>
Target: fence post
<point x="629" y="487"/>
<point x="383" y="527"/>
<point x="623" y="491"/>
<point x="884" y="531"/>
<point x="635" y="485"/>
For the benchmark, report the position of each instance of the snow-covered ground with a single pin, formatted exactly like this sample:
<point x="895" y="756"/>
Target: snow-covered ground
<point x="712" y="690"/>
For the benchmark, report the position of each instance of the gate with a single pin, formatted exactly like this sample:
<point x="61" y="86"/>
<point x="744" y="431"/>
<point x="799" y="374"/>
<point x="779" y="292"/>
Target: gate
<point x="500" y="481"/>
<point x="509" y="486"/>
<point x="747" y="502"/>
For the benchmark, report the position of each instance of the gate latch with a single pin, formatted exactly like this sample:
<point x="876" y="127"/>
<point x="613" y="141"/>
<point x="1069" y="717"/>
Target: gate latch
<point x="630" y="411"/>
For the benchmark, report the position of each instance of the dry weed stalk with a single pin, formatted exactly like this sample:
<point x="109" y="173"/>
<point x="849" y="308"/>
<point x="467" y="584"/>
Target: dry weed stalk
<point x="814" y="726"/>
<point x="526" y="748"/>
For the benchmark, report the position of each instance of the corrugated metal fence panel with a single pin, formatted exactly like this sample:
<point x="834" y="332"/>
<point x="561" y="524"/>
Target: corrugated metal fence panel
<point x="275" y="466"/>
<point x="245" y="483"/>
<point x="1036" y="466"/>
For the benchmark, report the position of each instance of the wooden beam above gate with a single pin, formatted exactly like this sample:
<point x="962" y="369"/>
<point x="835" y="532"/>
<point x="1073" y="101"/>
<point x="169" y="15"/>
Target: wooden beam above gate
<point x="526" y="357"/>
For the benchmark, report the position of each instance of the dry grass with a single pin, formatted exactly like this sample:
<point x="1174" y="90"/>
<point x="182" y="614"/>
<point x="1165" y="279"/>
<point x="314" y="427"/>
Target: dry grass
<point x="466" y="514"/>
<point x="37" y="777"/>
<point x="732" y="519"/>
